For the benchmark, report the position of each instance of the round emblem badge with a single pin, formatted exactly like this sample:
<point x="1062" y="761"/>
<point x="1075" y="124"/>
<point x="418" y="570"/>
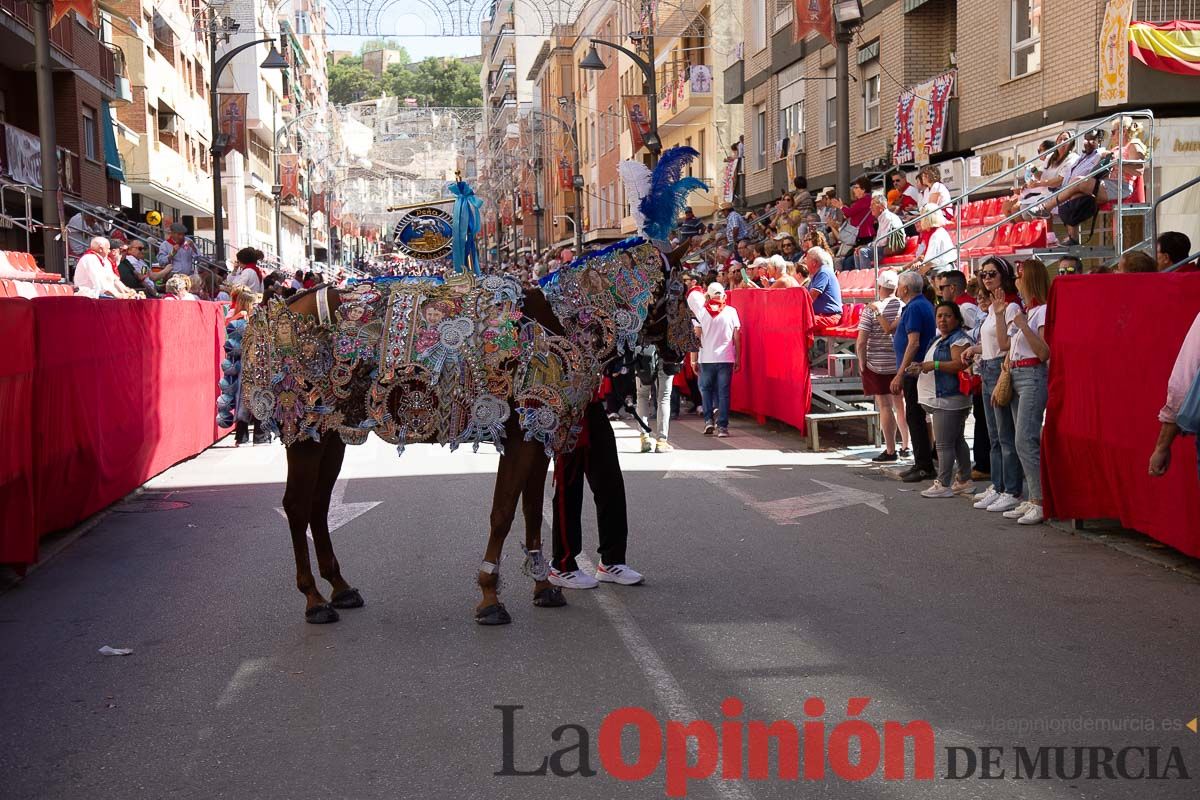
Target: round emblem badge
<point x="425" y="233"/>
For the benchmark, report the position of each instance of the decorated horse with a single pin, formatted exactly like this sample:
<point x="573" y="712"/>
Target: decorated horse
<point x="468" y="359"/>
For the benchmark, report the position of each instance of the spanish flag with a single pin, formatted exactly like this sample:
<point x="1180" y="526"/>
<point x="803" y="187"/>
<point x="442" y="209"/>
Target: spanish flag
<point x="1167" y="46"/>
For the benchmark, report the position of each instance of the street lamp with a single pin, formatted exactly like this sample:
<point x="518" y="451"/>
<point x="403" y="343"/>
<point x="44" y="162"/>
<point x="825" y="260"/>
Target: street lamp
<point x="592" y="61"/>
<point x="848" y="15"/>
<point x="277" y="188"/>
<point x="577" y="177"/>
<point x="220" y="142"/>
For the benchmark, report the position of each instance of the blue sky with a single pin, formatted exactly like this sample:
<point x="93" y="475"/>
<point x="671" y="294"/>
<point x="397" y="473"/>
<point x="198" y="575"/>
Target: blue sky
<point x="418" y="47"/>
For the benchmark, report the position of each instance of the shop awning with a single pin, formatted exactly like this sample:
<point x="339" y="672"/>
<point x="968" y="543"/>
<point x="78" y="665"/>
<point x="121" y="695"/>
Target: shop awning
<point x="112" y="159"/>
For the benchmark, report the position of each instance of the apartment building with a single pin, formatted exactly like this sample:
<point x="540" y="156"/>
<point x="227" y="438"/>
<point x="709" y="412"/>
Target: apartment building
<point x="85" y="68"/>
<point x="600" y="116"/>
<point x="553" y="74"/>
<point x="1023" y="70"/>
<point x="167" y="161"/>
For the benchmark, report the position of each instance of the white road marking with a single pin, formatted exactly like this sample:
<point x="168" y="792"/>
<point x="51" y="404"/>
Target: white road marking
<point x="240" y="680"/>
<point x="340" y="512"/>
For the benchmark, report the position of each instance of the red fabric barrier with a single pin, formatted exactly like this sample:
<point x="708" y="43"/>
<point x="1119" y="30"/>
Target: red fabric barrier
<point x="16" y="435"/>
<point x="1113" y="340"/>
<point x="121" y="390"/>
<point x="774" y="381"/>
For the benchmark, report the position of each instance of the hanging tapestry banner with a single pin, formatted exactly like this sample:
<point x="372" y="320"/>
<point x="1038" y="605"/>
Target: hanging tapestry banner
<point x="639" y="122"/>
<point x="813" y="16"/>
<point x="1114" y="54"/>
<point x="231" y="111"/>
<point x="921" y="120"/>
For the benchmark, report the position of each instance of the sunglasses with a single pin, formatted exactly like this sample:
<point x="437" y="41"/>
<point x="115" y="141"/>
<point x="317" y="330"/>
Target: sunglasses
<point x="1066" y="271"/>
<point x="989" y="273"/>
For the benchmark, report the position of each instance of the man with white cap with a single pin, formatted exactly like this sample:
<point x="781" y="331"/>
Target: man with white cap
<point x="719" y="357"/>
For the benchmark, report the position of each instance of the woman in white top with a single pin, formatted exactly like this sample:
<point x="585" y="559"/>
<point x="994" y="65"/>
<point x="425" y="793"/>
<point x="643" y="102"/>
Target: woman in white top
<point x="933" y="191"/>
<point x="938" y="253"/>
<point x="1027" y="356"/>
<point x="999" y="288"/>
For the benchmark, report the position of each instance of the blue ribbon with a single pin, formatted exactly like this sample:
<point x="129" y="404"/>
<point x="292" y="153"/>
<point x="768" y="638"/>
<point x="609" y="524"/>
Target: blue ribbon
<point x="466" y="225"/>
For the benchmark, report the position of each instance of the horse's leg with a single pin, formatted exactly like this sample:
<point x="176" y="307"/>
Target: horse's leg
<point x="545" y="594"/>
<point x="304" y="468"/>
<point x="343" y="595"/>
<point x="511" y="478"/>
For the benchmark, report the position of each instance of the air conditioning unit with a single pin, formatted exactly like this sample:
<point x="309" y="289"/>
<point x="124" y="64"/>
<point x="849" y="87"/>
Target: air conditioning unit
<point x="168" y="123"/>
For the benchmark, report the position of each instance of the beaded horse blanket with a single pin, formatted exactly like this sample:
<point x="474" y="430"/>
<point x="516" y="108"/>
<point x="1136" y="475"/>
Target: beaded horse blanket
<point x="450" y="362"/>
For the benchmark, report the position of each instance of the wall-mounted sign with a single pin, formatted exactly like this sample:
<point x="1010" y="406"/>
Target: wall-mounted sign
<point x="425" y="233"/>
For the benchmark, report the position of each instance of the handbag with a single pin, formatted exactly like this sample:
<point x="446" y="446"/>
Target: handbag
<point x="1002" y="394"/>
<point x="969" y="383"/>
<point x="896" y="242"/>
<point x="1188" y="418"/>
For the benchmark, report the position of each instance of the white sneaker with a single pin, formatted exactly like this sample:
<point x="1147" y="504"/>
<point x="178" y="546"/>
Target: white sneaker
<point x="575" y="579"/>
<point x="985" y="499"/>
<point x="1004" y="502"/>
<point x="1018" y="512"/>
<point x="937" y="490"/>
<point x="1033" y="516"/>
<point x="618" y="573"/>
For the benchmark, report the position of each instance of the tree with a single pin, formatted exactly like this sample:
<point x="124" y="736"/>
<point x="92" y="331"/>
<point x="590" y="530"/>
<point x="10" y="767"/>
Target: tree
<point x="435" y="82"/>
<point x="349" y="83"/>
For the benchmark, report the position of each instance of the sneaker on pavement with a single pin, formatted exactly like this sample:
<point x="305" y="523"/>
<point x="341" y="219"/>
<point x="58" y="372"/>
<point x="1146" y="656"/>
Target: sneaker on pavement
<point x="618" y="573"/>
<point x="1033" y="516"/>
<point x="663" y="446"/>
<point x="722" y="433"/>
<point x="1004" y="502"/>
<point x="709" y="429"/>
<point x="575" y="579"/>
<point x="938" y="490"/>
<point x="1018" y="512"/>
<point x="646" y="446"/>
<point x="962" y="487"/>
<point x="916" y="475"/>
<point x="885" y="458"/>
<point x="980" y="475"/>
<point x="986" y="498"/>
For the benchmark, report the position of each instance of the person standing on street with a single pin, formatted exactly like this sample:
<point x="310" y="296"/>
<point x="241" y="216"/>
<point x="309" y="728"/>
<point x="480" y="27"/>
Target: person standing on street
<point x="595" y="460"/>
<point x="911" y="340"/>
<point x="653" y="379"/>
<point x="720" y="348"/>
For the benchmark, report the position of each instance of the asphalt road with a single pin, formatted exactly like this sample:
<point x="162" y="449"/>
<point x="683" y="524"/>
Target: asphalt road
<point x="773" y="576"/>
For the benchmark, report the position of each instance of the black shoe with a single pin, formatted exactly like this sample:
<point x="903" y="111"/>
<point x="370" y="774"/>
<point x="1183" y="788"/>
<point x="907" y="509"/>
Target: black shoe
<point x="918" y="475"/>
<point x="885" y="457"/>
<point x="905" y="452"/>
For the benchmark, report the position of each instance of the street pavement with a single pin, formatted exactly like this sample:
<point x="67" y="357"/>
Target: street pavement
<point x="774" y="575"/>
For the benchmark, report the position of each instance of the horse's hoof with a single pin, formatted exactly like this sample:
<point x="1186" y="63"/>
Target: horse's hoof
<point x="347" y="598"/>
<point x="550" y="597"/>
<point x="494" y="614"/>
<point x="321" y="615"/>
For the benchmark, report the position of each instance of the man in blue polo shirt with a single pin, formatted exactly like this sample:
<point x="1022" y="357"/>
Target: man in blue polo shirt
<point x="824" y="288"/>
<point x="911" y="339"/>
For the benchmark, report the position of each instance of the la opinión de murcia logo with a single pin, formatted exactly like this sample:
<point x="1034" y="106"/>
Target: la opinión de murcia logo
<point x="853" y="749"/>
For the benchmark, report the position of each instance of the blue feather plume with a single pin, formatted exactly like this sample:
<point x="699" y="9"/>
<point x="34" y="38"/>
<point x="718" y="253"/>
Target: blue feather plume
<point x="668" y="192"/>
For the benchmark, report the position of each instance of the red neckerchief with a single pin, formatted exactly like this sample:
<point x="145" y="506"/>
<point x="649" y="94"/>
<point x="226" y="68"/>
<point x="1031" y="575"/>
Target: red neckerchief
<point x="1034" y="305"/>
<point x="965" y="298"/>
<point x="708" y="304"/>
<point x="1013" y="297"/>
<point x="253" y="268"/>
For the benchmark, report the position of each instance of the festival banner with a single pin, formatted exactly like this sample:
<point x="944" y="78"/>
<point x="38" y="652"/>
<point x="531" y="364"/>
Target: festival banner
<point x="231" y="111"/>
<point x="639" y="121"/>
<point x="22" y="156"/>
<point x="921" y="120"/>
<point x="86" y="9"/>
<point x="813" y="16"/>
<point x="289" y="176"/>
<point x="566" y="177"/>
<point x="729" y="182"/>
<point x="317" y="203"/>
<point x="1167" y="46"/>
<point x="1114" y="54"/>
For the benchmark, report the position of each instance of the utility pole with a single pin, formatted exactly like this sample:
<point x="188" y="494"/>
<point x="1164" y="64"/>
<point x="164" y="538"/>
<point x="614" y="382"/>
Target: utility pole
<point x="842" y="75"/>
<point x="53" y="238"/>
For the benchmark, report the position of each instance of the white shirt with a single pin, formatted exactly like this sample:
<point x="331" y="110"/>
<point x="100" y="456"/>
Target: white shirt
<point x="885" y="223"/>
<point x="971" y="314"/>
<point x="716" y="336"/>
<point x="1187" y="364"/>
<point x="95" y="273"/>
<point x="248" y="278"/>
<point x="939" y="189"/>
<point x="1019" y="349"/>
<point x="940" y="252"/>
<point x="988" y="338"/>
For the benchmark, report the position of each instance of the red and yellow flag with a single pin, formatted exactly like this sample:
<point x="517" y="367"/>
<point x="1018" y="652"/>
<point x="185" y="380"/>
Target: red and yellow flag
<point x="1167" y="46"/>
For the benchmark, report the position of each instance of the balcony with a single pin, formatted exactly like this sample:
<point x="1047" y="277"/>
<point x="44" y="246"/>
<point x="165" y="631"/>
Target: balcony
<point x="1165" y="10"/>
<point x="503" y="44"/>
<point x="62" y="35"/>
<point x="735" y="82"/>
<point x="685" y="97"/>
<point x="21" y="160"/>
<point x="502" y="78"/>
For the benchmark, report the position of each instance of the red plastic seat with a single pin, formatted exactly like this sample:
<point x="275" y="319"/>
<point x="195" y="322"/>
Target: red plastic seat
<point x="905" y="258"/>
<point x="1002" y="244"/>
<point x="979" y="245"/>
<point x="1032" y="235"/>
<point x="6" y="288"/>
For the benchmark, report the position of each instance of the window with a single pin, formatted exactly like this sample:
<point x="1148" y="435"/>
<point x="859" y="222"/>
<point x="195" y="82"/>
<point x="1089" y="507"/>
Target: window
<point x="791" y="125"/>
<point x="758" y="25"/>
<point x="612" y="133"/>
<point x="871" y="102"/>
<point x="264" y="214"/>
<point x="829" y="127"/>
<point x="89" y="133"/>
<point x="760" y="138"/>
<point x="1026" y="37"/>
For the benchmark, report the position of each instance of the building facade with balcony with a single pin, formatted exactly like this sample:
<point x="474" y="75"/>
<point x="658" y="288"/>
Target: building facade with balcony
<point x="167" y="161"/>
<point x="85" y="85"/>
<point x="553" y="76"/>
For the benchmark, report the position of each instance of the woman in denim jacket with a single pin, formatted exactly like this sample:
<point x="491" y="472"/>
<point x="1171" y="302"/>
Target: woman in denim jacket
<point x="943" y="397"/>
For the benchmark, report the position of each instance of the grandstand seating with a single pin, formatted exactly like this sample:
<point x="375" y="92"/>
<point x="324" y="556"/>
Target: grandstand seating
<point x="17" y="265"/>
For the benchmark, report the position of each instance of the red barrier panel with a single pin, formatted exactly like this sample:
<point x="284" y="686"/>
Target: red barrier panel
<point x="121" y="391"/>
<point x="1113" y="340"/>
<point x="16" y="434"/>
<point x="774" y="380"/>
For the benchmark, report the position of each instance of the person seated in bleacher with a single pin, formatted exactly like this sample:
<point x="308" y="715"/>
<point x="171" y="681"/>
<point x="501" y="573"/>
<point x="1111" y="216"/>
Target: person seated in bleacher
<point x="890" y="238"/>
<point x="1060" y="159"/>
<point x="1171" y="248"/>
<point x="94" y="274"/>
<point x="937" y="253"/>
<point x="933" y="191"/>
<point x="904" y="199"/>
<point x="133" y="270"/>
<point x="1136" y="261"/>
<point x="824" y="288"/>
<point x="1078" y="177"/>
